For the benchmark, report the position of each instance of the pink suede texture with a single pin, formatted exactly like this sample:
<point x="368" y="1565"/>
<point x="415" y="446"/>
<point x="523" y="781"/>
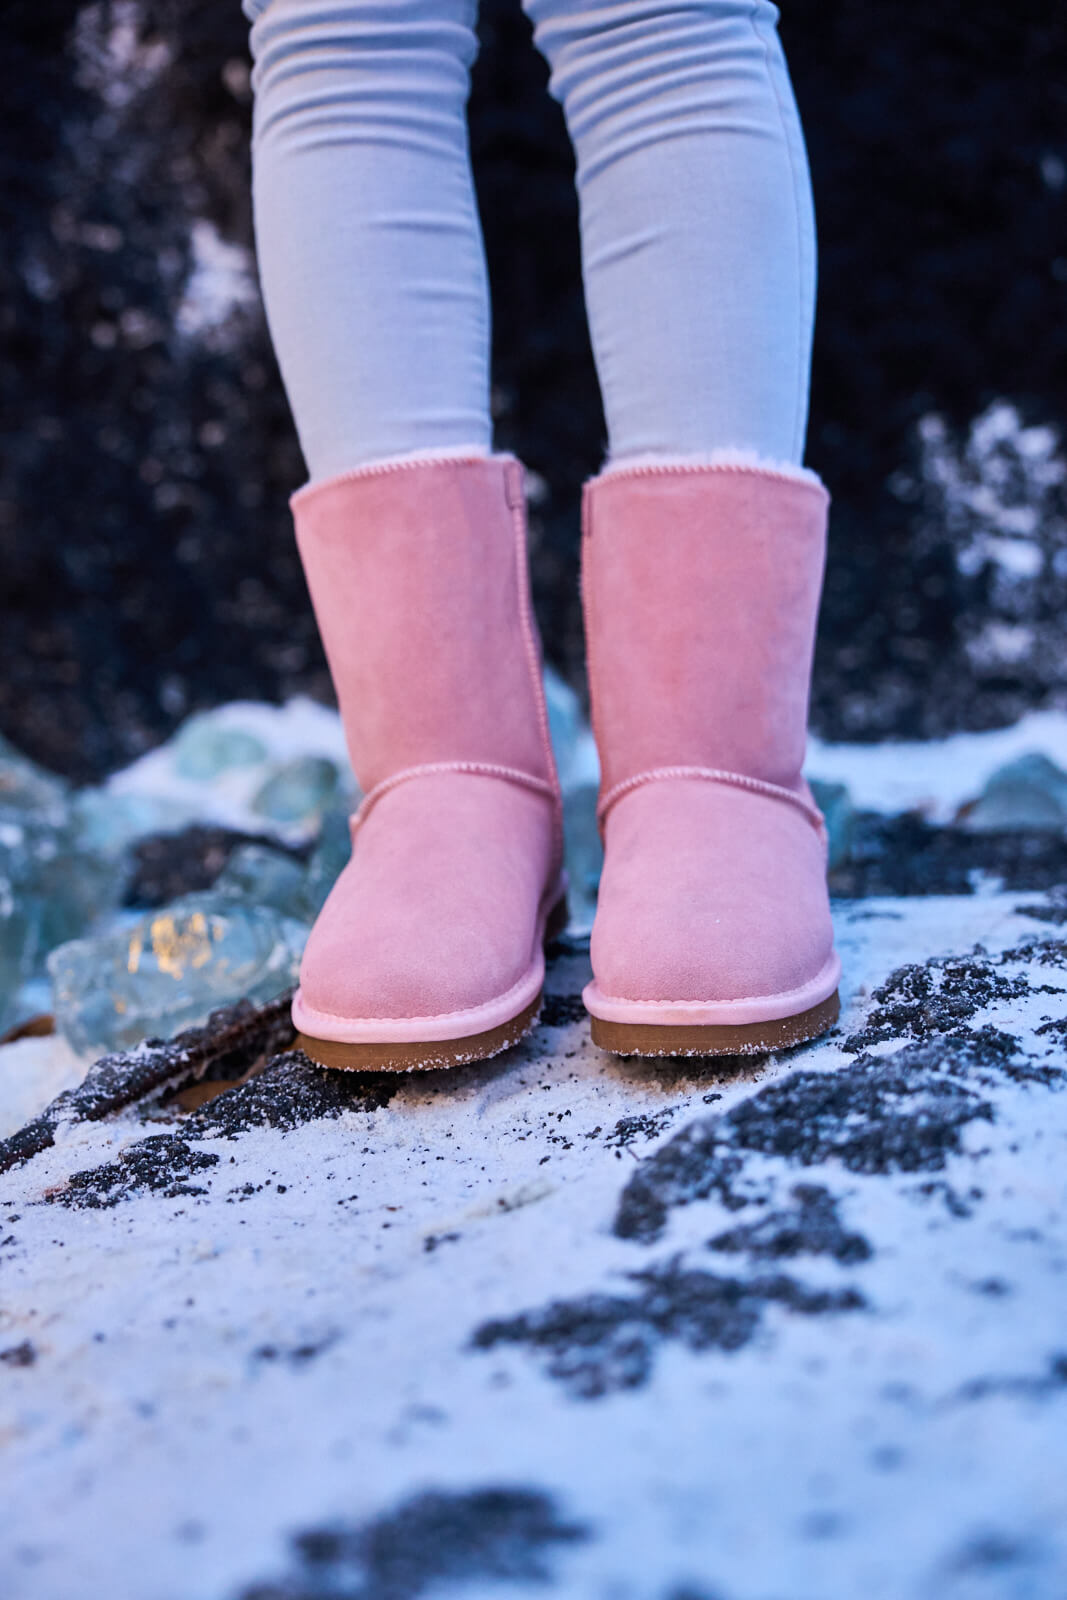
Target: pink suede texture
<point x="436" y="912"/>
<point x="419" y="597"/>
<point x="700" y="590"/>
<point x="419" y="582"/>
<point x="709" y="893"/>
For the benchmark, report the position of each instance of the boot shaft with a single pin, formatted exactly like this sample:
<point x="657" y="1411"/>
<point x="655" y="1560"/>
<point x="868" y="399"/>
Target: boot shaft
<point x="418" y="577"/>
<point x="700" y="589"/>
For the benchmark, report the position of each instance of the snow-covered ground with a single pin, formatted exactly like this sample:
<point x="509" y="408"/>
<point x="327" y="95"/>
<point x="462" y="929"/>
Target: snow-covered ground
<point x="790" y="1330"/>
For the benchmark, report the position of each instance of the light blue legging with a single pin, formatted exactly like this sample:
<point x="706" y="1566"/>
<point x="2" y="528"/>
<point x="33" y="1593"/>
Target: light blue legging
<point x="697" y="224"/>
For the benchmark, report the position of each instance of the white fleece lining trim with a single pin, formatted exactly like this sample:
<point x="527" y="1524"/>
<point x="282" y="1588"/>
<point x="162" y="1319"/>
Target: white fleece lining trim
<point x="368" y="469"/>
<point x="726" y="456"/>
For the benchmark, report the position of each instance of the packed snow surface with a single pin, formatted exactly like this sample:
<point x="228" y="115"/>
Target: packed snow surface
<point x="788" y="1328"/>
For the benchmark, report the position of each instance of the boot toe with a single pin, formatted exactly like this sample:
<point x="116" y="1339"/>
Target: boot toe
<point x="435" y="915"/>
<point x="711" y="895"/>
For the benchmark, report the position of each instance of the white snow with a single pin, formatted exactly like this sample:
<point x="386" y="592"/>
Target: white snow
<point x="33" y="1072"/>
<point x="168" y="1439"/>
<point x="995" y="493"/>
<point x="112" y="57"/>
<point x="222" y="281"/>
<point x="934" y="776"/>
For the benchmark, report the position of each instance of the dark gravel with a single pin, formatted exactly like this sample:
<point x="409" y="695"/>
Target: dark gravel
<point x="148" y="560"/>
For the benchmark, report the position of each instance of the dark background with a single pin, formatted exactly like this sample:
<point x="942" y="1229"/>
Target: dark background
<point x="145" y="542"/>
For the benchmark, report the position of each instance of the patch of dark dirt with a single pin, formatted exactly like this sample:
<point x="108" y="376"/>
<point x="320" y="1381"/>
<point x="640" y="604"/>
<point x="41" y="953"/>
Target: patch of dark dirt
<point x="1052" y="909"/>
<point x="437" y="1537"/>
<point x="647" y="1126"/>
<point x="163" y="1164"/>
<point x="905" y="855"/>
<point x="19" y="1355"/>
<point x="993" y="1055"/>
<point x="993" y="1553"/>
<point x="932" y="997"/>
<point x="296" y="1356"/>
<point x="899" y="1113"/>
<point x="1046" y="952"/>
<point x="290" y="1091"/>
<point x="1027" y="1386"/>
<point x="231" y="1040"/>
<point x="689" y="1591"/>
<point x="810" y="1227"/>
<point x="598" y="1344"/>
<point x="559" y="1010"/>
<point x="956" y="1204"/>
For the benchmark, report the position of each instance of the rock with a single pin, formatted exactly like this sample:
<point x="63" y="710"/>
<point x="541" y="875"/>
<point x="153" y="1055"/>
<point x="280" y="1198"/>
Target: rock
<point x="579" y="775"/>
<point x="171" y="968"/>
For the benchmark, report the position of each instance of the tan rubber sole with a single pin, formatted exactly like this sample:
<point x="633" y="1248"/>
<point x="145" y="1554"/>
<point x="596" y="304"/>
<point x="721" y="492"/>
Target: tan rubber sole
<point x="430" y="1054"/>
<point x="749" y="1038"/>
<point x="410" y="1056"/>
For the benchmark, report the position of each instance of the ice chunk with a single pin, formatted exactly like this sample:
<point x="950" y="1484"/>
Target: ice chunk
<point x="572" y="740"/>
<point x="564" y="719"/>
<point x="835" y="803"/>
<point x="27" y="790"/>
<point x="583" y="854"/>
<point x="171" y="968"/>
<point x="298" y="790"/>
<point x="205" y="747"/>
<point x="108" y="824"/>
<point x="329" y="857"/>
<point x="261" y="876"/>
<point x="14" y="943"/>
<point x="1029" y="792"/>
<point x="50" y="891"/>
<point x="269" y="740"/>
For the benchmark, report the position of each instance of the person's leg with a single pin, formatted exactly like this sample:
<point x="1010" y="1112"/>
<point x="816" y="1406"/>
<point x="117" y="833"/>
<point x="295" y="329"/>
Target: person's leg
<point x="368" y="240"/>
<point x="703" y="535"/>
<point x="697" y="224"/>
<point x="411" y="532"/>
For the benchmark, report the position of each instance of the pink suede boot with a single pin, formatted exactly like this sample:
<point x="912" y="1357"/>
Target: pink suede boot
<point x="701" y="585"/>
<point x="428" y="950"/>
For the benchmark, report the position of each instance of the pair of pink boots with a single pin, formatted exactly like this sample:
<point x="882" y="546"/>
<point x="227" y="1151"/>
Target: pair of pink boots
<point x="700" y="587"/>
